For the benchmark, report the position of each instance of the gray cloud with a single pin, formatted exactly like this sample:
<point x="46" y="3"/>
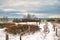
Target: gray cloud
<point x="31" y="6"/>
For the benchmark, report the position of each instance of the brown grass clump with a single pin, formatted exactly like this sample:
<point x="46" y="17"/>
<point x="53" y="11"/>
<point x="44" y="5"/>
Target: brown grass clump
<point x="22" y="29"/>
<point x="2" y="25"/>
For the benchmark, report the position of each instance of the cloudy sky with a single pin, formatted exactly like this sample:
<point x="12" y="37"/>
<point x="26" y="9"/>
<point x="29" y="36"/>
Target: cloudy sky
<point x="40" y="8"/>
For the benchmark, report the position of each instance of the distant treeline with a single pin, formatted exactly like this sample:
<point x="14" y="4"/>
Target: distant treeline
<point x="28" y="20"/>
<point x="36" y="20"/>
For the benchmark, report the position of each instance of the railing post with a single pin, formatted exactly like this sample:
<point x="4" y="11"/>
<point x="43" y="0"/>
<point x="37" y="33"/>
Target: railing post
<point x="7" y="37"/>
<point x="56" y="31"/>
<point x="54" y="27"/>
<point x="29" y="29"/>
<point x="20" y="37"/>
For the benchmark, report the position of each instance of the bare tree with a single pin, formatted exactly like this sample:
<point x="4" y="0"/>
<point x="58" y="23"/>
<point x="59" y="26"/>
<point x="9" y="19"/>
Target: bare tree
<point x="5" y="19"/>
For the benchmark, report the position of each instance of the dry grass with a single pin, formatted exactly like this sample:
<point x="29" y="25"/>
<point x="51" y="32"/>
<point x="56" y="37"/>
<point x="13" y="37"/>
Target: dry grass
<point x="18" y="29"/>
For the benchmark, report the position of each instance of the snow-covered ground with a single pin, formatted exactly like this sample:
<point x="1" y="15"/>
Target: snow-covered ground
<point x="2" y="34"/>
<point x="57" y="25"/>
<point x="39" y="35"/>
<point x="28" y="23"/>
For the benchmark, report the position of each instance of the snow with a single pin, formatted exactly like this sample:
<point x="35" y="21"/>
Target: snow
<point x="2" y="34"/>
<point x="41" y="25"/>
<point x="35" y="36"/>
<point x="13" y="37"/>
<point x="39" y="35"/>
<point x="28" y="23"/>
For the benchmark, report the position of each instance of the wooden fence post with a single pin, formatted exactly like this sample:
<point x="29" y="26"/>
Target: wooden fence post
<point x="54" y="27"/>
<point x="7" y="37"/>
<point x="56" y="31"/>
<point x="20" y="37"/>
